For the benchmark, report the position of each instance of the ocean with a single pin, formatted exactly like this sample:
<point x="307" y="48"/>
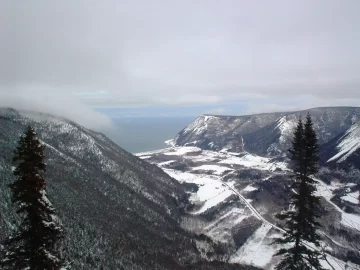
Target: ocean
<point x="140" y="134"/>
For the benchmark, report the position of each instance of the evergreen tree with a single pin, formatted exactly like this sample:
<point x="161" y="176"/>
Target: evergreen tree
<point x="301" y="219"/>
<point x="36" y="245"/>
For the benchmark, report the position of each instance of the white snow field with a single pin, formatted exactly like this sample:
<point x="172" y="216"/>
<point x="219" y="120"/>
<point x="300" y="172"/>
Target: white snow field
<point x="352" y="197"/>
<point x="216" y="169"/>
<point x="207" y="172"/>
<point x="253" y="161"/>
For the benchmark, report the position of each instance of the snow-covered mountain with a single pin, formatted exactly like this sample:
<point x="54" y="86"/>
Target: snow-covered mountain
<point x="236" y="196"/>
<point x="236" y="172"/>
<point x="212" y="195"/>
<point x="119" y="212"/>
<point x="270" y="134"/>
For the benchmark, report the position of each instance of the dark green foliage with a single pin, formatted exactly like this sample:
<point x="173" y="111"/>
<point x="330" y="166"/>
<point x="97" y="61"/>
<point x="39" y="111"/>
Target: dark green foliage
<point x="301" y="220"/>
<point x="35" y="245"/>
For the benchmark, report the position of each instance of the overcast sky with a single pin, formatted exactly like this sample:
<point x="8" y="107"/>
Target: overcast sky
<point x="178" y="57"/>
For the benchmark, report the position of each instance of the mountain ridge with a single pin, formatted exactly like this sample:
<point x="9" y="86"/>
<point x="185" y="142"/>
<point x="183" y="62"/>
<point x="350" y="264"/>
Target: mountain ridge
<point x="267" y="134"/>
<point x="278" y="112"/>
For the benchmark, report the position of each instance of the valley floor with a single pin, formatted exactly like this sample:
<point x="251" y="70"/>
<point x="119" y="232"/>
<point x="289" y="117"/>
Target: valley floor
<point x="235" y="197"/>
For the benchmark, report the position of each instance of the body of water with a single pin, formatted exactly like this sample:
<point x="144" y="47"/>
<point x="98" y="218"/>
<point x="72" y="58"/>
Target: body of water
<point x="146" y="133"/>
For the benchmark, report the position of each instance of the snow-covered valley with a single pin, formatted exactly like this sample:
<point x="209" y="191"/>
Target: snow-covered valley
<point x="235" y="196"/>
<point x="227" y="181"/>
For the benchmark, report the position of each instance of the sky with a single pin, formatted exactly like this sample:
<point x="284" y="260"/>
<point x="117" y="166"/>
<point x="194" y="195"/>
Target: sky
<point x="94" y="60"/>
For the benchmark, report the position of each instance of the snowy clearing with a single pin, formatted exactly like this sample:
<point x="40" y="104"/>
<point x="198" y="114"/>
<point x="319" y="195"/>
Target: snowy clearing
<point x="211" y="191"/>
<point x="249" y="188"/>
<point x="144" y="157"/>
<point x="348" y="220"/>
<point x="352" y="197"/>
<point x="256" y="162"/>
<point x="218" y="170"/>
<point x="351" y="220"/>
<point x="214" y="201"/>
<point x="166" y="162"/>
<point x="254" y="251"/>
<point x="178" y="151"/>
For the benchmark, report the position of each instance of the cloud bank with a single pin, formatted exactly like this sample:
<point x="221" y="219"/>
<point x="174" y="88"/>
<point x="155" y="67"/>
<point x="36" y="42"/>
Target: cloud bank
<point x="57" y="104"/>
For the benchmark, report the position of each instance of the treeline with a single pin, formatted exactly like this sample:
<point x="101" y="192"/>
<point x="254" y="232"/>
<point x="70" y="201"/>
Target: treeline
<point x="36" y="244"/>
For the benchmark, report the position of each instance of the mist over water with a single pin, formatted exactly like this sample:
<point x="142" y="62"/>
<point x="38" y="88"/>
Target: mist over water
<point x="139" y="134"/>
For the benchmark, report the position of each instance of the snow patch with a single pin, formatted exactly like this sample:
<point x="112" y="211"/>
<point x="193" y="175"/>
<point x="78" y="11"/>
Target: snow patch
<point x="198" y="126"/>
<point x="351" y="220"/>
<point x="211" y="190"/>
<point x="144" y="157"/>
<point x="166" y="162"/>
<point x="352" y="197"/>
<point x="170" y="143"/>
<point x="191" y="143"/>
<point x="349" y="143"/>
<point x="255" y="252"/>
<point x="249" y="188"/>
<point x="348" y="220"/>
<point x="221" y="228"/>
<point x="217" y="199"/>
<point x="256" y="162"/>
<point x="160" y="151"/>
<point x="286" y="128"/>
<point x="178" y="151"/>
<point x="218" y="170"/>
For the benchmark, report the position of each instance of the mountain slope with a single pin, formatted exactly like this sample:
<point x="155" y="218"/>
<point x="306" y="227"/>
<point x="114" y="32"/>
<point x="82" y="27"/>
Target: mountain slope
<point x="235" y="197"/>
<point x="344" y="150"/>
<point x="119" y="212"/>
<point x="270" y="134"/>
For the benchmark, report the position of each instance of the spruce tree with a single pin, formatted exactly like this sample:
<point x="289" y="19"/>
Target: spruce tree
<point x="301" y="220"/>
<point x="36" y="244"/>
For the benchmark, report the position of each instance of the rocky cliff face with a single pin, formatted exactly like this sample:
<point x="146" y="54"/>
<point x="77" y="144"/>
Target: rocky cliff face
<point x="270" y="134"/>
<point x="118" y="211"/>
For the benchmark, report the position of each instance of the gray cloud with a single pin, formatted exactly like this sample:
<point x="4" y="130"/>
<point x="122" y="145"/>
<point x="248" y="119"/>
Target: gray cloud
<point x="67" y="106"/>
<point x="139" y="53"/>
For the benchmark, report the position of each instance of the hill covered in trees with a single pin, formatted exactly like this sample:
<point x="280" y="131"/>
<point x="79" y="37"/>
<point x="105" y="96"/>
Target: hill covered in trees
<point x="118" y="211"/>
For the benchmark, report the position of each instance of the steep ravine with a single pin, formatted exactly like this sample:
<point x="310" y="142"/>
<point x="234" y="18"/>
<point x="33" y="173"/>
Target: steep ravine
<point x="119" y="212"/>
